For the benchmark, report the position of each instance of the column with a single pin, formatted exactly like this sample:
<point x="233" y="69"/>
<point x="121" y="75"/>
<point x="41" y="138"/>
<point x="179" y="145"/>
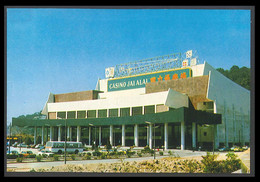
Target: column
<point x="182" y="135"/>
<point x="136" y="135"/>
<point x="59" y="133"/>
<point x="123" y="135"/>
<point x="99" y="136"/>
<point x="111" y="134"/>
<point x="193" y="128"/>
<point x="35" y="135"/>
<point x="165" y="136"/>
<point x="68" y="133"/>
<point x="78" y="133"/>
<point x="150" y="136"/>
<point x="51" y="133"/>
<point x="89" y="135"/>
<point x="42" y="135"/>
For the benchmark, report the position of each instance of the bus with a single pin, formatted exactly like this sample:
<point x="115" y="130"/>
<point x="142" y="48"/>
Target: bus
<point x="58" y="147"/>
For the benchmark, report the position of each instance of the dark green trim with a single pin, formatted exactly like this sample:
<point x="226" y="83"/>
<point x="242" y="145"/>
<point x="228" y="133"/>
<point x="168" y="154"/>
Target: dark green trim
<point x="172" y="116"/>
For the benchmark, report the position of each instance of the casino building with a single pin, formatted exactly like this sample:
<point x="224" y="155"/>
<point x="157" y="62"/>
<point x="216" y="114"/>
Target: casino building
<point x="170" y="100"/>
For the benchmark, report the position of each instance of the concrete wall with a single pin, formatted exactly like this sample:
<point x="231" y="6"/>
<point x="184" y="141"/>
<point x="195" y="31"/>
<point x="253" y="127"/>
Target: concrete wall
<point x="76" y="96"/>
<point x="233" y="102"/>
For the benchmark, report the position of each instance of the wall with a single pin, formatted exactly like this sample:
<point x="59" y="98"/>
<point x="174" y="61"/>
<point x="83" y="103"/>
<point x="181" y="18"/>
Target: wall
<point x="76" y="96"/>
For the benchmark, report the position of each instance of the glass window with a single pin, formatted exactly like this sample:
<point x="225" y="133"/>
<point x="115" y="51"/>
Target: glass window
<point x="137" y="111"/>
<point x="61" y="115"/>
<point x="71" y="114"/>
<point x="124" y="112"/>
<point x="113" y="112"/>
<point x="81" y="114"/>
<point x="149" y="109"/>
<point x="102" y="113"/>
<point x="91" y="113"/>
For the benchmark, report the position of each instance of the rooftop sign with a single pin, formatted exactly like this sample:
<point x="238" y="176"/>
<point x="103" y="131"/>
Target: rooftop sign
<point x="139" y="81"/>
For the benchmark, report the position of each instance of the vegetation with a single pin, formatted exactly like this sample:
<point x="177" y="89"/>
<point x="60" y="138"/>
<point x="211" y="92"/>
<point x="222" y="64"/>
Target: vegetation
<point x="240" y="76"/>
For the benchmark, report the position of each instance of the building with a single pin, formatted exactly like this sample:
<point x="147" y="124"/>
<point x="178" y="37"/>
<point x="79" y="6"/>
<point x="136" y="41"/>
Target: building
<point x="165" y="101"/>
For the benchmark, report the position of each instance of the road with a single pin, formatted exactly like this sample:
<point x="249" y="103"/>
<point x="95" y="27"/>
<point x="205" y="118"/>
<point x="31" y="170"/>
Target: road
<point x="36" y="165"/>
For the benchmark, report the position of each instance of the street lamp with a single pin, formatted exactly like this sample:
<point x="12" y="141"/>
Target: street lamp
<point x="153" y="136"/>
<point x="65" y="143"/>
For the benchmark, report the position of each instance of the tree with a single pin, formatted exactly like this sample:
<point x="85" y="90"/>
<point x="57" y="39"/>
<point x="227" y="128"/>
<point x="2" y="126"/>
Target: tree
<point x="240" y="76"/>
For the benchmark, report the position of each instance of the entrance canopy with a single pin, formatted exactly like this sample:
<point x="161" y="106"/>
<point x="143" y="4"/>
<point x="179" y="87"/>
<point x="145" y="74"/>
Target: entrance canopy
<point x="188" y="115"/>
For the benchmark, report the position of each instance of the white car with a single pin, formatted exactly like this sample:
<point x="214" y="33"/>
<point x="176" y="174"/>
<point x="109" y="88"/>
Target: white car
<point x="49" y="154"/>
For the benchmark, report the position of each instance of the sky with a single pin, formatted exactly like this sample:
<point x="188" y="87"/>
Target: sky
<point x="67" y="50"/>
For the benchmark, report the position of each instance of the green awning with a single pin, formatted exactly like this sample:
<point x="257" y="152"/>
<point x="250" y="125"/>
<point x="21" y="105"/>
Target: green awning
<point x="188" y="115"/>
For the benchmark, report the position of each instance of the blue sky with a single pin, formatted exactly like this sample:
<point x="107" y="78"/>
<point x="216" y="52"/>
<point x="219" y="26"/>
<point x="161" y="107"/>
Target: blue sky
<point x="67" y="50"/>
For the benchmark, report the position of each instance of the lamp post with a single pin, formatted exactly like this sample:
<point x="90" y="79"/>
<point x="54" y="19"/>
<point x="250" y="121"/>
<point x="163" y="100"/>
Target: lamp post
<point x="65" y="143"/>
<point x="153" y="136"/>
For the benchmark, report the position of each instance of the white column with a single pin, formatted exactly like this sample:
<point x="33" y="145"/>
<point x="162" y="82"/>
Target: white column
<point x="136" y="134"/>
<point x="111" y="135"/>
<point x="150" y="136"/>
<point x="182" y="135"/>
<point x="193" y="128"/>
<point x="89" y="135"/>
<point x="78" y="133"/>
<point x="51" y="133"/>
<point x="42" y="135"/>
<point x="99" y="136"/>
<point x="59" y="133"/>
<point x="70" y="133"/>
<point x="165" y="136"/>
<point x="123" y="135"/>
<point x="35" y="135"/>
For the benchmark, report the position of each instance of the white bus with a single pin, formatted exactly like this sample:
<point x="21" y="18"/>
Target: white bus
<point x="58" y="147"/>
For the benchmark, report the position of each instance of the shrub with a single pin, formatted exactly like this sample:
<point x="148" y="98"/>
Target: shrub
<point x="73" y="156"/>
<point x="12" y="156"/>
<point x="96" y="153"/>
<point x="19" y="159"/>
<point x="38" y="158"/>
<point x="55" y="157"/>
<point x="161" y="153"/>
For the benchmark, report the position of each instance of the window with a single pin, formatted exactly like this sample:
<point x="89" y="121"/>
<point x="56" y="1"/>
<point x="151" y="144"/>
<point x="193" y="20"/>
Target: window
<point x="71" y="114"/>
<point x="137" y="111"/>
<point x="102" y="113"/>
<point x="91" y="113"/>
<point x="113" y="112"/>
<point x="149" y="109"/>
<point x="61" y="115"/>
<point x="124" y="112"/>
<point x="81" y="114"/>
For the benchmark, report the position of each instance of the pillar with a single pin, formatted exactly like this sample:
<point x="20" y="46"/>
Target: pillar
<point x="111" y="134"/>
<point x="99" y="135"/>
<point x="59" y="133"/>
<point x="165" y="136"/>
<point x="35" y="135"/>
<point x="136" y="135"/>
<point x="123" y="135"/>
<point x="78" y="133"/>
<point x="89" y="135"/>
<point x="193" y="128"/>
<point x="51" y="133"/>
<point x="42" y="135"/>
<point x="150" y="136"/>
<point x="182" y="135"/>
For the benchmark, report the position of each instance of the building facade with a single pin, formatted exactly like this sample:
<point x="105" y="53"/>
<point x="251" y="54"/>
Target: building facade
<point x="184" y="108"/>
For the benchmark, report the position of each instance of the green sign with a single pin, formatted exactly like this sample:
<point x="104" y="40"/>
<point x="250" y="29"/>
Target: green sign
<point x="132" y="82"/>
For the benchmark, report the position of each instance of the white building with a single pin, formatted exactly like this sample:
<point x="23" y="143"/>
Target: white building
<point x="184" y="107"/>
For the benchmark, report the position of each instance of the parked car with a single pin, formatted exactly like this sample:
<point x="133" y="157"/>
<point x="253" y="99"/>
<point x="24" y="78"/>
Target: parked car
<point x="26" y="153"/>
<point x="41" y="148"/>
<point x="22" y="145"/>
<point x="245" y="147"/>
<point x="49" y="154"/>
<point x="13" y="152"/>
<point x="15" y="144"/>
<point x="238" y="149"/>
<point x="223" y="149"/>
<point x="38" y="146"/>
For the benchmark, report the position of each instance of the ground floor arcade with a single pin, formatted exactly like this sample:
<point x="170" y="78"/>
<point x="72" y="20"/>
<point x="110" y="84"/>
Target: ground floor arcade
<point x="172" y="129"/>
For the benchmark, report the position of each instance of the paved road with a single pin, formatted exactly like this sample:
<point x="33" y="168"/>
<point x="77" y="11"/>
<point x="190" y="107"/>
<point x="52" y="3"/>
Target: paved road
<point x="35" y="165"/>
